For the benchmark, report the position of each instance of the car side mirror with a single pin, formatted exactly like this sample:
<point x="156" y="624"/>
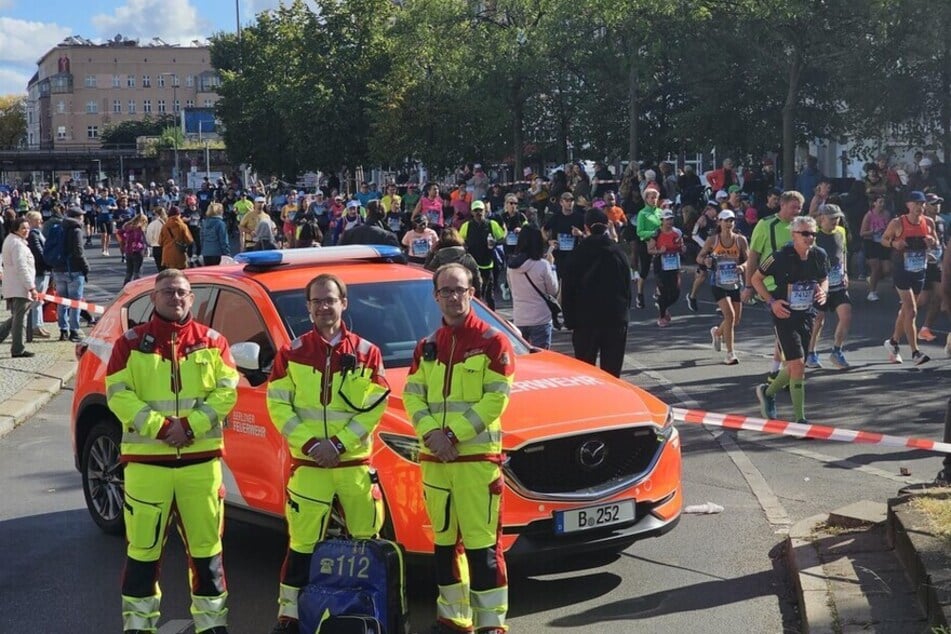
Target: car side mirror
<point x="246" y="356"/>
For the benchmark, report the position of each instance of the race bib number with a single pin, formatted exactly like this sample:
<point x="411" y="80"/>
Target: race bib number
<point x="915" y="261"/>
<point x="670" y="261"/>
<point x="419" y="247"/>
<point x="836" y="275"/>
<point x="434" y="217"/>
<point x="394" y="223"/>
<point x="727" y="275"/>
<point x="801" y="295"/>
<point x="566" y="242"/>
<point x="877" y="236"/>
<point x="511" y="238"/>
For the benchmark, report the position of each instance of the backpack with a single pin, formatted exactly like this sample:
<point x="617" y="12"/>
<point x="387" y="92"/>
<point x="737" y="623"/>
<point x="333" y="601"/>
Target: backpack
<point x="359" y="577"/>
<point x="54" y="250"/>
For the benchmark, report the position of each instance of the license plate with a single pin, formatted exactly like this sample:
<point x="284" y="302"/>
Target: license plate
<point x="594" y="517"/>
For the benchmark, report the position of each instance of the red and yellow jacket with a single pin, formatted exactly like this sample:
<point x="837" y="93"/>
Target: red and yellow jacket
<point x="318" y="391"/>
<point x="161" y="369"/>
<point x="460" y="382"/>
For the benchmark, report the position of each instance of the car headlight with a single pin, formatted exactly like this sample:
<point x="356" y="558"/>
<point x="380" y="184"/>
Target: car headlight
<point x="407" y="447"/>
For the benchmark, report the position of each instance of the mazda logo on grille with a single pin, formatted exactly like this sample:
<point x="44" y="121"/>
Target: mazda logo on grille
<point x="592" y="453"/>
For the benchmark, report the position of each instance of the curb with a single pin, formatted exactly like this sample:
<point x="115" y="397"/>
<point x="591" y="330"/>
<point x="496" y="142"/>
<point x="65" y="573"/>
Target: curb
<point x="816" y="610"/>
<point x="914" y="551"/>
<point x="39" y="391"/>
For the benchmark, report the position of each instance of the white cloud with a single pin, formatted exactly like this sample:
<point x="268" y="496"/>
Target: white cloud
<point x="13" y="81"/>
<point x="175" y="21"/>
<point x="23" y="42"/>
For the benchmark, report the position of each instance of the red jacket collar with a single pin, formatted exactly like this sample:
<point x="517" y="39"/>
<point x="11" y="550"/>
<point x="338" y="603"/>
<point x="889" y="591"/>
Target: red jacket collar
<point x="164" y="328"/>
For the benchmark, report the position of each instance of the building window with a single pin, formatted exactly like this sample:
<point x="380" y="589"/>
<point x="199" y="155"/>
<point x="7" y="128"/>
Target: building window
<point x="147" y="106"/>
<point x="60" y="107"/>
<point x="161" y="106"/>
<point x="175" y="81"/>
<point x="208" y="103"/>
<point x="178" y="105"/>
<point x="90" y="81"/>
<point x="146" y="81"/>
<point x="92" y="132"/>
<point x="131" y="106"/>
<point x="116" y="105"/>
<point x="189" y="103"/>
<point x="92" y="107"/>
<point x="161" y="80"/>
<point x="189" y="80"/>
<point x="61" y="133"/>
<point x="130" y="81"/>
<point x="115" y="82"/>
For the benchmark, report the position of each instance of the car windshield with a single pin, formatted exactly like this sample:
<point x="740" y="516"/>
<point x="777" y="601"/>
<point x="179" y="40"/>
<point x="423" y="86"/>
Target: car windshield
<point x="393" y="315"/>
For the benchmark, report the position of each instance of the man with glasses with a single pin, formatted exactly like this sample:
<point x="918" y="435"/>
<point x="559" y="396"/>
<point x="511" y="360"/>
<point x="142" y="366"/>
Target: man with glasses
<point x="326" y="395"/>
<point x="800" y="271"/>
<point x="171" y="381"/>
<point x="512" y="221"/>
<point x="456" y="391"/>
<point x="563" y="230"/>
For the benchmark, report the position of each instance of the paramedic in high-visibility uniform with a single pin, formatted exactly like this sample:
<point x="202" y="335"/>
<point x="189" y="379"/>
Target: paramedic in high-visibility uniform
<point x="171" y="382"/>
<point x="457" y="388"/>
<point x="327" y="393"/>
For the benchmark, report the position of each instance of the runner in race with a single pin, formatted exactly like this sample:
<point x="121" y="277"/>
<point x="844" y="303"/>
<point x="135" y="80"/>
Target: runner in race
<point x="832" y="239"/>
<point x="877" y="255"/>
<point x="666" y="246"/>
<point x="707" y="224"/>
<point x="725" y="253"/>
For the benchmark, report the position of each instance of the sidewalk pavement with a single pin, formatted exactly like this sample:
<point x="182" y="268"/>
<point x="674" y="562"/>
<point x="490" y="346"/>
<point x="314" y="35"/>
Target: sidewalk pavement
<point x="871" y="567"/>
<point x="27" y="384"/>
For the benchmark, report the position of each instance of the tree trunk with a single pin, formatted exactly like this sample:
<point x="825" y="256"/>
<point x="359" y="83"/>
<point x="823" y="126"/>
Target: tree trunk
<point x="946" y="94"/>
<point x="632" y="112"/>
<point x="789" y="120"/>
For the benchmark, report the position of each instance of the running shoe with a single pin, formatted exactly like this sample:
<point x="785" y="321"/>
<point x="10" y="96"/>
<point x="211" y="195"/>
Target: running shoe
<point x="715" y="339"/>
<point x="919" y="358"/>
<point x="893" y="355"/>
<point x="731" y="359"/>
<point x="506" y="293"/>
<point x="812" y="360"/>
<point x="925" y="334"/>
<point x="767" y="404"/>
<point x="872" y="296"/>
<point x="662" y="323"/>
<point x="838" y="360"/>
<point x="639" y="301"/>
<point x="692" y="305"/>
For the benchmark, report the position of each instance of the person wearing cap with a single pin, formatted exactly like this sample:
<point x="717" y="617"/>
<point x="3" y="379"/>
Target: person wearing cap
<point x="725" y="253"/>
<point x="481" y="236"/>
<point x="909" y="236"/>
<point x="877" y="256"/>
<point x="832" y="238"/>
<point x="564" y="230"/>
<point x="706" y="224"/>
<point x="931" y="294"/>
<point x="666" y="247"/>
<point x="372" y="231"/>
<point x="249" y="222"/>
<point x="923" y="178"/>
<point x="596" y="296"/>
<point x="648" y="224"/>
<point x="800" y="271"/>
<point x="352" y="216"/>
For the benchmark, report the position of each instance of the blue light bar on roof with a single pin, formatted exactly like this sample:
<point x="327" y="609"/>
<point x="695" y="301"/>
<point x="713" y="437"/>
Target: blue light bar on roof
<point x="321" y="255"/>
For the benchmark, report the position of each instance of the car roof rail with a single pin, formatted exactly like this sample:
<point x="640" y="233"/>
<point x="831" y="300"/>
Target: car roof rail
<point x="255" y="261"/>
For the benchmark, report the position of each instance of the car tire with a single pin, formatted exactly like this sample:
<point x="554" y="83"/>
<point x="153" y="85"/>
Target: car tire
<point x="103" y="477"/>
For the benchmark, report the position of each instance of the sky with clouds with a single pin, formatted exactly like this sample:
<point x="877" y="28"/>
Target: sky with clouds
<point x="29" y="28"/>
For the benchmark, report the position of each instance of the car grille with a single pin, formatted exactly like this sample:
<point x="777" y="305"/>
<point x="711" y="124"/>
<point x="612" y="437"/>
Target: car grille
<point x="584" y="463"/>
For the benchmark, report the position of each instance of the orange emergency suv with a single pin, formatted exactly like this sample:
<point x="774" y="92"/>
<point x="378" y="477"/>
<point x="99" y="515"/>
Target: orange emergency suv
<point x="592" y="463"/>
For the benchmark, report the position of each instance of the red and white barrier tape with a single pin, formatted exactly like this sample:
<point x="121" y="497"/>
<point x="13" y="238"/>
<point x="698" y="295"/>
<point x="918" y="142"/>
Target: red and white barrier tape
<point x="821" y="432"/>
<point x="73" y="303"/>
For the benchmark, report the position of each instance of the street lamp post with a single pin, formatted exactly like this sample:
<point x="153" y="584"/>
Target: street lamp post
<point x="177" y="121"/>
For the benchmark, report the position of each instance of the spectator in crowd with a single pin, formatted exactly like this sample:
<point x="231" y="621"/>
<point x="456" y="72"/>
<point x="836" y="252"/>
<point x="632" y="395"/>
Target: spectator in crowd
<point x="479" y="183"/>
<point x="808" y="179"/>
<point x="36" y="240"/>
<point x="19" y="285"/>
<point x="133" y="245"/>
<point x="174" y="240"/>
<point x="71" y="276"/>
<point x="722" y="178"/>
<point x="530" y="274"/>
<point x="214" y="242"/>
<point x="451" y="248"/>
<point x="152" y="233"/>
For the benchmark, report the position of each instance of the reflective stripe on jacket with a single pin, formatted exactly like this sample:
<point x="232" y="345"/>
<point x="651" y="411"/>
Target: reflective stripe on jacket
<point x="145" y="385"/>
<point x="311" y="382"/>
<point x="464" y="387"/>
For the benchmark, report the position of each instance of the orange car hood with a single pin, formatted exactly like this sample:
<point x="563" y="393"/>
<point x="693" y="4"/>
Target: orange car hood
<point x="555" y="395"/>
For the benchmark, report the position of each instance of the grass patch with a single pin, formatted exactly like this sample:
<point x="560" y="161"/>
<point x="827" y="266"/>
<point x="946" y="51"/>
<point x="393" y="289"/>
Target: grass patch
<point x="938" y="512"/>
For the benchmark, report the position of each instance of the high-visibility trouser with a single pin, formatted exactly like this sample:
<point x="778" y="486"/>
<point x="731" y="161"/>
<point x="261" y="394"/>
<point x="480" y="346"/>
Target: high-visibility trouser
<point x="310" y="494"/>
<point x="463" y="501"/>
<point x="196" y="495"/>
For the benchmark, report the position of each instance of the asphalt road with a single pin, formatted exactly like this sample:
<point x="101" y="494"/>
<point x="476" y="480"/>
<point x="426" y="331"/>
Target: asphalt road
<point x="715" y="573"/>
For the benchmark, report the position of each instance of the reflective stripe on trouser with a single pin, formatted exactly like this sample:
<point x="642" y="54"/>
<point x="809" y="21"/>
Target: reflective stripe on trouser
<point x="463" y="500"/>
<point x="140" y="613"/>
<point x="196" y="494"/>
<point x="310" y="493"/>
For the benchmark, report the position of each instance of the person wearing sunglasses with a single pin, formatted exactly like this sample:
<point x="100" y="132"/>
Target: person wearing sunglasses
<point x="832" y="238"/>
<point x="800" y="270"/>
<point x="725" y="253"/>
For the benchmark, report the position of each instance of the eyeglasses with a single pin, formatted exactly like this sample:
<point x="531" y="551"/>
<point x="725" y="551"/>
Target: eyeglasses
<point x="567" y="200"/>
<point x="446" y="293"/>
<point x="511" y="202"/>
<point x="806" y="234"/>
<point x="175" y="292"/>
<point x="323" y="302"/>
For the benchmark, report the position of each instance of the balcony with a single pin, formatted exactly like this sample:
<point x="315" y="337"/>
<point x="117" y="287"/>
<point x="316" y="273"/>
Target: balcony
<point x="61" y="83"/>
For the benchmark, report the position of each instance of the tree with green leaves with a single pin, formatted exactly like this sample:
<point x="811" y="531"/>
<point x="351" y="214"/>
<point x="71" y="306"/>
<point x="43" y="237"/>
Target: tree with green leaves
<point x="12" y="120"/>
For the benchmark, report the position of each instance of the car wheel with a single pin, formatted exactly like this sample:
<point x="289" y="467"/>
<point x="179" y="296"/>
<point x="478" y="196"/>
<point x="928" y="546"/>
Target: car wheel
<point x="103" y="477"/>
